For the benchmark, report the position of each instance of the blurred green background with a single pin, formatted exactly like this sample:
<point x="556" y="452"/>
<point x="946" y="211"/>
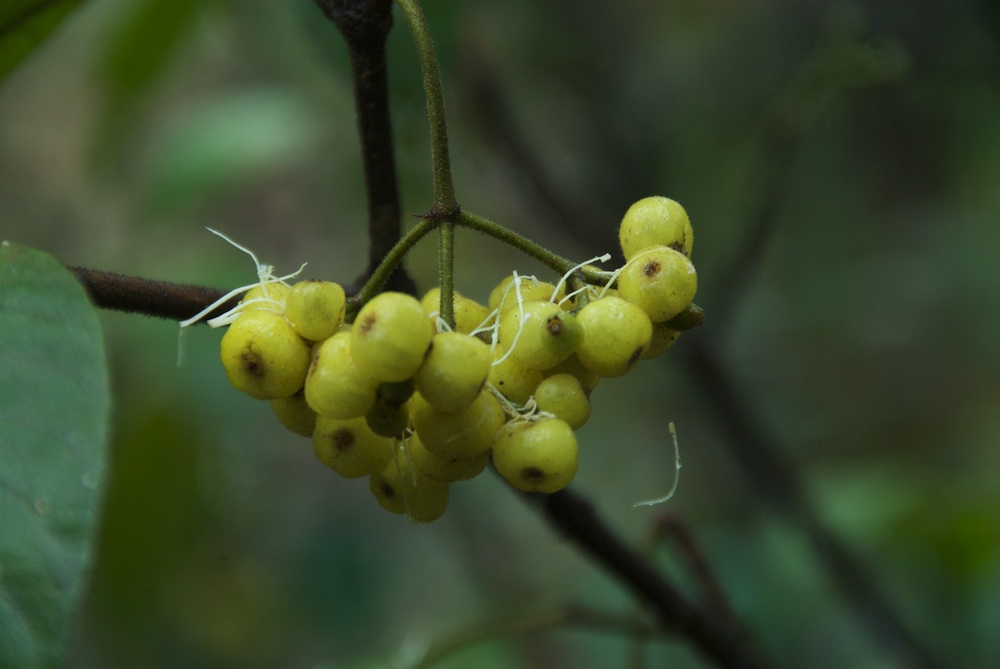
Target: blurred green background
<point x="841" y="165"/>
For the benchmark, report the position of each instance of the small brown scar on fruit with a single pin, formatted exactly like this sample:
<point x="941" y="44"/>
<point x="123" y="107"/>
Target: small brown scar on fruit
<point x="368" y="324"/>
<point x="387" y="490"/>
<point x="678" y="246"/>
<point x="532" y="474"/>
<point x="652" y="268"/>
<point x="554" y="326"/>
<point x="253" y="364"/>
<point x="342" y="439"/>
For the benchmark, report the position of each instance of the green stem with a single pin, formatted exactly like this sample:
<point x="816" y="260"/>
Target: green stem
<point x="446" y="263"/>
<point x="445" y="203"/>
<point x="389" y="263"/>
<point x="556" y="262"/>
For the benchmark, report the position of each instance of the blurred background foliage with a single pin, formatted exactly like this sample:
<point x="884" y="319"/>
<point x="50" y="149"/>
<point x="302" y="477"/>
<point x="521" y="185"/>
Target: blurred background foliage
<point x="841" y="165"/>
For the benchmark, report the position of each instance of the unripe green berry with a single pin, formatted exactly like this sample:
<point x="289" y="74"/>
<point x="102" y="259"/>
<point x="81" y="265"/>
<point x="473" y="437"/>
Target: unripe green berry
<point x="542" y="337"/>
<point x="396" y="394"/>
<point x="390" y="337"/>
<point x="618" y="333"/>
<point x="655" y="221"/>
<point x="537" y="456"/>
<point x="335" y="386"/>
<point x="663" y="339"/>
<point x="295" y="414"/>
<point x="400" y="489"/>
<point x="514" y="381"/>
<point x="462" y="434"/>
<point x="661" y="281"/>
<point x="386" y="420"/>
<point x="315" y="308"/>
<point x="349" y="447"/>
<point x="563" y="396"/>
<point x="263" y="356"/>
<point x="454" y="371"/>
<point x="443" y="469"/>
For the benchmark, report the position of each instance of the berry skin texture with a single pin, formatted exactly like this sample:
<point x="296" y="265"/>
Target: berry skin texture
<point x="543" y="337"/>
<point x="537" y="456"/>
<point x="573" y="366"/>
<point x="295" y="414"/>
<point x="263" y="356"/>
<point x="655" y="221"/>
<point x="564" y="396"/>
<point x="349" y="448"/>
<point x="663" y="339"/>
<point x="469" y="314"/>
<point x="400" y="489"/>
<point x="315" y="309"/>
<point x="464" y="434"/>
<point x="514" y="381"/>
<point x="386" y="420"/>
<point x="660" y="280"/>
<point x="335" y="387"/>
<point x="443" y="469"/>
<point x="504" y="296"/>
<point x="618" y="334"/>
<point x="390" y="337"/>
<point x="277" y="296"/>
<point x="454" y="371"/>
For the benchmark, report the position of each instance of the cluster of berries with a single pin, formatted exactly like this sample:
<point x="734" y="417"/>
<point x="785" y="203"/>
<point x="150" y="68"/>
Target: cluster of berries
<point x="414" y="404"/>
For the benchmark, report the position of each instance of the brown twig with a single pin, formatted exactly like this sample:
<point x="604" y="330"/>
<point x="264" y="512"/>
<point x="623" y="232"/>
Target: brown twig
<point x="725" y="643"/>
<point x="779" y="484"/>
<point x="365" y="25"/>
<point x="673" y="528"/>
<point x="772" y="476"/>
<point x="148" y="297"/>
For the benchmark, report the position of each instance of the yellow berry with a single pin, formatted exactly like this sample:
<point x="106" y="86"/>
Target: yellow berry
<point x="454" y="371"/>
<point x="390" y="337"/>
<point x="443" y="469"/>
<point x="315" y="308"/>
<point x="618" y="333"/>
<point x="514" y="381"/>
<point x="469" y="314"/>
<point x="400" y="489"/>
<point x="661" y="281"/>
<point x="540" y="334"/>
<point x="563" y="396"/>
<point x="572" y="365"/>
<point x="462" y="434"/>
<point x="263" y="356"/>
<point x="295" y="414"/>
<point x="504" y="295"/>
<point x="655" y="221"/>
<point x="269" y="297"/>
<point x="349" y="447"/>
<point x="537" y="456"/>
<point x="335" y="386"/>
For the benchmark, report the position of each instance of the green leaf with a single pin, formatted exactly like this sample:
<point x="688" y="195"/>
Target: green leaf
<point x="141" y="47"/>
<point x="53" y="428"/>
<point x="23" y="26"/>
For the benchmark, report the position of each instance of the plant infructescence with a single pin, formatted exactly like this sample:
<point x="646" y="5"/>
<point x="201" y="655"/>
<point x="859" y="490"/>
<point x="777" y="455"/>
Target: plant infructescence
<point x="414" y="395"/>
